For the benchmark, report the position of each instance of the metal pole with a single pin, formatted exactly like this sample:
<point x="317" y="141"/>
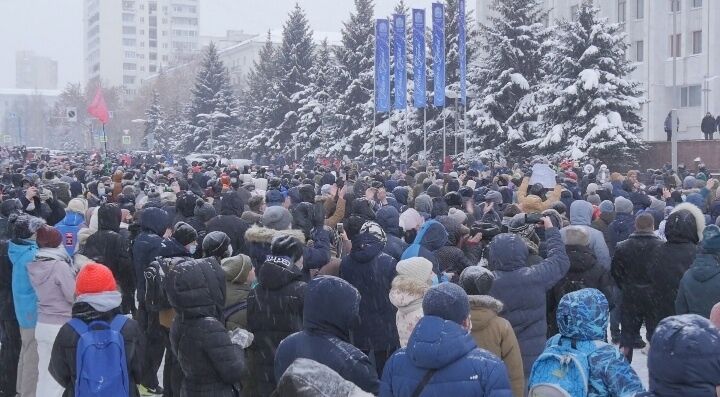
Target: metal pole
<point x="389" y="131"/>
<point x="673" y="116"/>
<point x="372" y="134"/>
<point x="465" y="128"/>
<point x="425" y="133"/>
<point x="444" y="133"/>
<point x="406" y="134"/>
<point x="105" y="139"/>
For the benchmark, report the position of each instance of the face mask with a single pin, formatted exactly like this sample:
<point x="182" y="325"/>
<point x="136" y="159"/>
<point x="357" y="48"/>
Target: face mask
<point x="228" y="252"/>
<point x="192" y="248"/>
<point x="101" y="190"/>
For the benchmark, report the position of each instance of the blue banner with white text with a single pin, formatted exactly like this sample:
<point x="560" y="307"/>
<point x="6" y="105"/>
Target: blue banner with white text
<point x="419" y="73"/>
<point x="382" y="66"/>
<point x="400" y="62"/>
<point x="438" y="53"/>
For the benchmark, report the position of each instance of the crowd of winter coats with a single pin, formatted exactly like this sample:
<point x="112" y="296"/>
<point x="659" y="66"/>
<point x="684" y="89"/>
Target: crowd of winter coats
<point x="352" y="281"/>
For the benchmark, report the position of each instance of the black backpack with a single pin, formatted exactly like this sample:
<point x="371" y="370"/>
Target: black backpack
<point x="155" y="296"/>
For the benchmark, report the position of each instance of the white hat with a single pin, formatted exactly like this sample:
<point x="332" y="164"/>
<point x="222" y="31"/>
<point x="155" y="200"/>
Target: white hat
<point x="417" y="268"/>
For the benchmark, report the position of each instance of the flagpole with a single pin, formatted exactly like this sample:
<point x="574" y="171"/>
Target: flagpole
<point x="425" y="133"/>
<point x="105" y="139"/>
<point x="444" y="133"/>
<point x="389" y="134"/>
<point x="465" y="127"/>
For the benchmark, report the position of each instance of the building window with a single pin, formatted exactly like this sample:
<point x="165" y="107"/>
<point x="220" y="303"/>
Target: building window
<point x="128" y="17"/>
<point x="165" y="58"/>
<point x="697" y="3"/>
<point x="697" y="42"/>
<point x="690" y="96"/>
<point x="574" y="13"/>
<point x="639" y="9"/>
<point x="639" y="51"/>
<point x="129" y="42"/>
<point x="153" y="56"/>
<point x="128" y="5"/>
<point x="128" y="30"/>
<point x="675" y="46"/>
<point x="622" y="12"/>
<point x="130" y="54"/>
<point x="674" y="5"/>
<point x="153" y="69"/>
<point x="129" y="66"/>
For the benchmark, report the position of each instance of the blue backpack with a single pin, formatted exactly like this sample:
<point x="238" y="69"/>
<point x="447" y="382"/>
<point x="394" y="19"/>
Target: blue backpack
<point x="100" y="359"/>
<point x="563" y="369"/>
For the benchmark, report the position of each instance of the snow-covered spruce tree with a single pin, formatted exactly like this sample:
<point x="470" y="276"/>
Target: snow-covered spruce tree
<point x="261" y="113"/>
<point x="213" y="113"/>
<point x="354" y="109"/>
<point x="589" y="108"/>
<point x="508" y="73"/>
<point x="154" y="122"/>
<point x="315" y="124"/>
<point x="295" y="60"/>
<point x="175" y="129"/>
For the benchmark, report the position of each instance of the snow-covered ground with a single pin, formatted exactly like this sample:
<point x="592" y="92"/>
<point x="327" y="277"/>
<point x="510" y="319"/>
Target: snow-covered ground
<point x="639" y="364"/>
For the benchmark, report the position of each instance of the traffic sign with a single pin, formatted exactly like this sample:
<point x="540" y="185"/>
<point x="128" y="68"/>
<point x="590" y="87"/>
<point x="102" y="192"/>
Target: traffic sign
<point x="126" y="139"/>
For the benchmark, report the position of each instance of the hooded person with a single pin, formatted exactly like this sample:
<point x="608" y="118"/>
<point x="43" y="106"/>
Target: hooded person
<point x="211" y="363"/>
<point x="522" y="289"/>
<point x="256" y="207"/>
<point x="700" y="286"/>
<point x="388" y="218"/>
<point x="274" y="311"/>
<point x="683" y="232"/>
<point x="72" y="223"/>
<point x="414" y="278"/>
<point x="331" y="310"/>
<point x="581" y="215"/>
<point x="371" y="271"/>
<point x="490" y="331"/>
<point x="431" y="236"/>
<point x="582" y="317"/>
<point x="97" y="299"/>
<point x="230" y="222"/>
<point x="53" y="280"/>
<point x="239" y="277"/>
<point x="308" y="378"/>
<point x="684" y="358"/>
<point x="451" y="257"/>
<point x="606" y="217"/>
<point x="424" y="205"/>
<point x="111" y="247"/>
<point x="623" y="225"/>
<point x="21" y="251"/>
<point x="442" y="346"/>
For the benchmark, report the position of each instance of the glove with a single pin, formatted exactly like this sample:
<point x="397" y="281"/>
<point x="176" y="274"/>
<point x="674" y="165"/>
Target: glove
<point x="46" y="194"/>
<point x="241" y="337"/>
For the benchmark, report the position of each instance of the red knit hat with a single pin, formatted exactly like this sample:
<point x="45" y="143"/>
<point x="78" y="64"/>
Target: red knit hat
<point x="94" y="278"/>
<point x="48" y="237"/>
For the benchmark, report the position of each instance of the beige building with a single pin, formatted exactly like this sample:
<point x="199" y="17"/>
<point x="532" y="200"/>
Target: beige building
<point x="654" y="51"/>
<point x="128" y="40"/>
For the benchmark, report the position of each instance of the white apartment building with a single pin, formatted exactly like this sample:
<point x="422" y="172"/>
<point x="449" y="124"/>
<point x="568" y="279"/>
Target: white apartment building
<point x="128" y="40"/>
<point x="655" y="49"/>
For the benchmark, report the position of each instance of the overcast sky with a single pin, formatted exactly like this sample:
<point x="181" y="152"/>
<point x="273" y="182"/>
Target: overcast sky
<point x="54" y="27"/>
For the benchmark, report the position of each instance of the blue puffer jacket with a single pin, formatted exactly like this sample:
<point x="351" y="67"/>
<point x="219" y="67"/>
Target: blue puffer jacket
<point x="22" y="252"/>
<point x="583" y="316"/>
<point x="68" y="228"/>
<point x="522" y="289"/>
<point x="684" y="358"/>
<point x="331" y="309"/>
<point x="619" y="230"/>
<point x="371" y="271"/>
<point x="462" y="369"/>
<point x="430" y="238"/>
<point x="389" y="219"/>
<point x="154" y="222"/>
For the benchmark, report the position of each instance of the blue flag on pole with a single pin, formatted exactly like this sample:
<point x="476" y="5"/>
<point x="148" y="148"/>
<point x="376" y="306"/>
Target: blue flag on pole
<point x="462" y="38"/>
<point x="438" y="53"/>
<point x="382" y="66"/>
<point x="400" y="62"/>
<point x="418" y="23"/>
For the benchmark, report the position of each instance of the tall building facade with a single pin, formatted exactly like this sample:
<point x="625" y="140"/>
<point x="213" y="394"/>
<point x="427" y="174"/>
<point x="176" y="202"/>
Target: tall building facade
<point x="35" y="72"/>
<point x="128" y="40"/>
<point x="673" y="45"/>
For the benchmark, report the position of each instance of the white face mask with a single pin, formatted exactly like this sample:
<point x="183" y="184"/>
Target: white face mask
<point x="192" y="248"/>
<point x="229" y="251"/>
<point x="101" y="190"/>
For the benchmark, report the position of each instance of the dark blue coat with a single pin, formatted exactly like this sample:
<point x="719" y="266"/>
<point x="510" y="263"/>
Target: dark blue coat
<point x="620" y="230"/>
<point x="522" y="289"/>
<point x="371" y="272"/>
<point x="325" y="335"/>
<point x="389" y="219"/>
<point x="154" y="222"/>
<point x="462" y="369"/>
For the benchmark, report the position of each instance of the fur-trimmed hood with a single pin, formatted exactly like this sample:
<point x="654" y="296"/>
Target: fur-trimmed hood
<point x="678" y="226"/>
<point x="483" y="309"/>
<point x="261" y="234"/>
<point x="407" y="293"/>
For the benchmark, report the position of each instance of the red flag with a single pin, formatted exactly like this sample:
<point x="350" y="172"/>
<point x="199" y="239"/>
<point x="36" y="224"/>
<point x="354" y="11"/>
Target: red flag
<point x="98" y="108"/>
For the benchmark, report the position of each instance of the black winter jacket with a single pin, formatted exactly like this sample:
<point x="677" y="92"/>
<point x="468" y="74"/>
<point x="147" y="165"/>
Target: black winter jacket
<point x="230" y="223"/>
<point x="212" y="366"/>
<point x="146" y="246"/>
<point x="275" y="308"/>
<point x="63" y="358"/>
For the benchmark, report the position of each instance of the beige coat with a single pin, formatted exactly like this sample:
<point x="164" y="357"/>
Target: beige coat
<point x="407" y="295"/>
<point x="495" y="334"/>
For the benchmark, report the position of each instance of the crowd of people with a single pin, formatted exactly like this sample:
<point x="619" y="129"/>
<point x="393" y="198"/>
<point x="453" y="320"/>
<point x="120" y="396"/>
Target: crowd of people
<point x="354" y="280"/>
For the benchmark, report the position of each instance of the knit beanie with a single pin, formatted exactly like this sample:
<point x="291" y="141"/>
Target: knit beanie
<point x="237" y="268"/>
<point x="457" y="215"/>
<point x="374" y="230"/>
<point x="184" y="233"/>
<point x="434" y="191"/>
<point x="78" y="206"/>
<point x="711" y="239"/>
<point x="94" y="278"/>
<point x="204" y="211"/>
<point x="277" y="218"/>
<point x="447" y="301"/>
<point x="607" y="207"/>
<point x="623" y="205"/>
<point x="476" y="280"/>
<point x="657" y="205"/>
<point x="411" y="219"/>
<point x="215" y="244"/>
<point x="593" y="199"/>
<point x="48" y="237"/>
<point x="24" y="226"/>
<point x="417" y="268"/>
<point x="592" y="188"/>
<point x="575" y="235"/>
